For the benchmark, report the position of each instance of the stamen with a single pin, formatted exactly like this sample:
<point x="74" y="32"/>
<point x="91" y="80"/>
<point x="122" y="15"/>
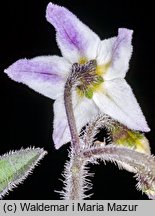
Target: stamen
<point x="88" y="79"/>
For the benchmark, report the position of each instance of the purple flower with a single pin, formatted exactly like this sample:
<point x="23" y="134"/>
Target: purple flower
<point x="104" y="90"/>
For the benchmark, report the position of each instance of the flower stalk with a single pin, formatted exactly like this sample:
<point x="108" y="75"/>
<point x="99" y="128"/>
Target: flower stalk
<point x="73" y="174"/>
<point x="75" y="170"/>
<point x="70" y="115"/>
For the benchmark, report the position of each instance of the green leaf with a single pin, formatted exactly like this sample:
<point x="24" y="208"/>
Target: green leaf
<point x="15" y="166"/>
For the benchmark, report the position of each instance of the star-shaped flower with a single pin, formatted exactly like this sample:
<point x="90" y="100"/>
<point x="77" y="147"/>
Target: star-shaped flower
<point x="102" y="89"/>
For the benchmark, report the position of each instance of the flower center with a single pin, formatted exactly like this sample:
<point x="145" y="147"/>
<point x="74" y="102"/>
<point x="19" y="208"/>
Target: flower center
<point x="88" y="79"/>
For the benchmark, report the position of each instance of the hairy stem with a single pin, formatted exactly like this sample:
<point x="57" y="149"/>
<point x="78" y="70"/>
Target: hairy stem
<point x="70" y="115"/>
<point x="73" y="169"/>
<point x="75" y="178"/>
<point x="78" y="72"/>
<point x="75" y="172"/>
<point x="139" y="161"/>
<point x="141" y="164"/>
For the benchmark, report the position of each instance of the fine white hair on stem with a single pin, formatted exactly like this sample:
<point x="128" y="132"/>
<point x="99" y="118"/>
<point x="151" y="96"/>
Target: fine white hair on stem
<point x="143" y="164"/>
<point x="76" y="179"/>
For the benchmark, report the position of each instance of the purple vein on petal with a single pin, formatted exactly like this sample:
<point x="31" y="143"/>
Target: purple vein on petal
<point x="28" y="68"/>
<point x="68" y="27"/>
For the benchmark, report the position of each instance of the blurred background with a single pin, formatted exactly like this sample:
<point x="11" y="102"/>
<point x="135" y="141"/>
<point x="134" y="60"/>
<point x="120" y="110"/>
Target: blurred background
<point x="26" y="117"/>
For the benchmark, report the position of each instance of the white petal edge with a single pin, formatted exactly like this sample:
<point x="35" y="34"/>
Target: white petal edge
<point x="118" y="101"/>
